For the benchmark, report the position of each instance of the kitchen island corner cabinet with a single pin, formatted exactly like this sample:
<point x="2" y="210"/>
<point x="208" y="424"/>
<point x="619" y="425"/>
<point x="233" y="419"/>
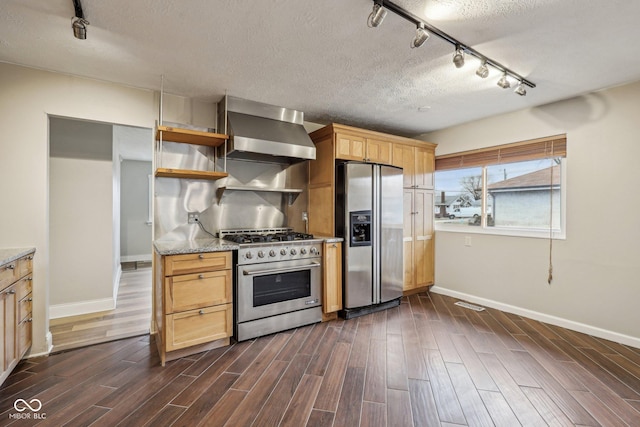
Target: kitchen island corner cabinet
<point x="16" y="285"/>
<point x="193" y="302"/>
<point x="337" y="142"/>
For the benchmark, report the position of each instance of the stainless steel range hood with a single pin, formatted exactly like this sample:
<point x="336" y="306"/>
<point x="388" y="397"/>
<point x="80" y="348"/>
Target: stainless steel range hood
<point x="264" y="133"/>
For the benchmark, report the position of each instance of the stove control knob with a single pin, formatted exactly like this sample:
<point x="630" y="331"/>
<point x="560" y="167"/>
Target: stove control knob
<point x="260" y="254"/>
<point x="249" y="255"/>
<point x="303" y="251"/>
<point x="272" y="253"/>
<point x="314" y="251"/>
<point x="293" y="252"/>
<point x="283" y="251"/>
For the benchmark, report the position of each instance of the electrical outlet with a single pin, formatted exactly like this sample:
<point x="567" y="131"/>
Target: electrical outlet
<point x="305" y="217"/>
<point x="193" y="217"/>
<point x="467" y="240"/>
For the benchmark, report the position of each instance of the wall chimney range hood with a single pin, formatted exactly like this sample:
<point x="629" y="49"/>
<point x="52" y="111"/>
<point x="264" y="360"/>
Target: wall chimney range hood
<point x="264" y="133"/>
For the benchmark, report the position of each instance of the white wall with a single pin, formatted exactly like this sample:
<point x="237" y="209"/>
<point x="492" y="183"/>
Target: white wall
<point x="27" y="97"/>
<point x="596" y="286"/>
<point x="80" y="236"/>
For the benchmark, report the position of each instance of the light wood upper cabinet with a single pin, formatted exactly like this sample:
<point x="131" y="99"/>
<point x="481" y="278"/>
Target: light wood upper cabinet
<point x="424" y="167"/>
<point x="418" y="164"/>
<point x="378" y="151"/>
<point x="351" y="147"/>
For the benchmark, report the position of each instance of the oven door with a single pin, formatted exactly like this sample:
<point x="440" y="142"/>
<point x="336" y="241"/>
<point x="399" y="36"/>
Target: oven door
<point x="277" y="287"/>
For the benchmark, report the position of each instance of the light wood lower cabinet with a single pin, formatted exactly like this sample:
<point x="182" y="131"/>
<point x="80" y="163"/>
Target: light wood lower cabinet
<point x="332" y="277"/>
<point x="16" y="285"/>
<point x="193" y="303"/>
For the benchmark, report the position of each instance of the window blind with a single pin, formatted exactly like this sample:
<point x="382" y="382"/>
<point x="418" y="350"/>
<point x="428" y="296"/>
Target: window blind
<point x="541" y="148"/>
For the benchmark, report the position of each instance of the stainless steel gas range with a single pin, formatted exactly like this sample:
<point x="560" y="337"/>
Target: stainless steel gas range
<point x="278" y="280"/>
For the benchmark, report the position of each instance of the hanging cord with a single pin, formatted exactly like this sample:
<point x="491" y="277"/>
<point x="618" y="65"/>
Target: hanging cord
<point x="203" y="229"/>
<point x="550" y="277"/>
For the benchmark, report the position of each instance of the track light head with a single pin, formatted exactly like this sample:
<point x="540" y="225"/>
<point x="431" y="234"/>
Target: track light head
<point x="520" y="90"/>
<point x="79" y="26"/>
<point x="504" y="82"/>
<point x="483" y="70"/>
<point x="458" y="57"/>
<point x="377" y="15"/>
<point x="421" y="36"/>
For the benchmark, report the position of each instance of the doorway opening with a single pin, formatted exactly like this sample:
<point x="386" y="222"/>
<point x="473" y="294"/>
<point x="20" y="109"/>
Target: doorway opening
<point x="100" y="220"/>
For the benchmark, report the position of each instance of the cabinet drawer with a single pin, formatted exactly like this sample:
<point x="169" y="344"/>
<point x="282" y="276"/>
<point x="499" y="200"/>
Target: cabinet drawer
<point x="196" y="263"/>
<point x="191" y="291"/>
<point x="25" y="265"/>
<point x="25" y="307"/>
<point x="7" y="274"/>
<point x="24" y="287"/>
<point x="198" y="326"/>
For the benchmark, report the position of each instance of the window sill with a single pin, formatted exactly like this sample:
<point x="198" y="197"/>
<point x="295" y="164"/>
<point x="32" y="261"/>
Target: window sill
<point x="509" y="232"/>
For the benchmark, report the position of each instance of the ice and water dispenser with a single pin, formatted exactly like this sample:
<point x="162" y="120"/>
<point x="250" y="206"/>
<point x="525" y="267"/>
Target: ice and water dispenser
<point x="360" y="227"/>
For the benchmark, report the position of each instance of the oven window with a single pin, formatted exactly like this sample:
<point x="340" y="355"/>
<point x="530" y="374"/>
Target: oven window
<point x="274" y="288"/>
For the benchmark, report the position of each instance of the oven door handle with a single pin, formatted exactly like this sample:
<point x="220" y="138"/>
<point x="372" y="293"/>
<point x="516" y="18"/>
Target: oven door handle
<point x="280" y="270"/>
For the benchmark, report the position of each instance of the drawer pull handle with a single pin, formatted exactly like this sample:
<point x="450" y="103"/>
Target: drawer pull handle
<point x="30" y="279"/>
<point x="11" y="292"/>
<point x="30" y="320"/>
<point x="201" y="256"/>
<point x="11" y="266"/>
<point x="201" y="312"/>
<point x="201" y="276"/>
<point x="30" y="299"/>
<point x="30" y="258"/>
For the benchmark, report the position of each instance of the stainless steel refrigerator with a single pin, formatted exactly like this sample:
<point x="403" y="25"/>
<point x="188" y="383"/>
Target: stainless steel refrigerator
<point x="369" y="203"/>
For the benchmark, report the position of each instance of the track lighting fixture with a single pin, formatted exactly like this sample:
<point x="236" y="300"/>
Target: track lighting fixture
<point x="504" y="82"/>
<point x="483" y="70"/>
<point x="421" y="36"/>
<point x="424" y="30"/>
<point x="377" y="14"/>
<point x="79" y="26"/>
<point x="78" y="22"/>
<point x="458" y="57"/>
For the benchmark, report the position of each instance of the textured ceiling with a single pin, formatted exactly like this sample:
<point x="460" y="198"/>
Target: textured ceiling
<point x="321" y="58"/>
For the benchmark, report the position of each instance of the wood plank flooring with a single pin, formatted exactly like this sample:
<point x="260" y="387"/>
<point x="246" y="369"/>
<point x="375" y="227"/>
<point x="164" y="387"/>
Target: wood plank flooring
<point x="427" y="362"/>
<point x="131" y="317"/>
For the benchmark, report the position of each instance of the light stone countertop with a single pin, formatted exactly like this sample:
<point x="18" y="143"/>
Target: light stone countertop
<point x="11" y="254"/>
<point x="167" y="247"/>
<point x="330" y="239"/>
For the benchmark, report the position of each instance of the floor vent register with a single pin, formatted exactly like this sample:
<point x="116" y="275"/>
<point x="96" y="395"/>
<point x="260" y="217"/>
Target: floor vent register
<point x="469" y="306"/>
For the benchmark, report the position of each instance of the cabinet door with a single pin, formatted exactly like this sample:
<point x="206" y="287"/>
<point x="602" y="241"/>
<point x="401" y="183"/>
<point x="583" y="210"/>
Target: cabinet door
<point x="403" y="156"/>
<point x="349" y="147"/>
<point x="407" y="240"/>
<point x="378" y="151"/>
<point x="332" y="278"/>
<point x="9" y="298"/>
<point x="424" y="167"/>
<point x="423" y="244"/>
<point x="23" y="338"/>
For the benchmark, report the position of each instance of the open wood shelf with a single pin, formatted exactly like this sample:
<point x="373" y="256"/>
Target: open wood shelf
<point x="185" y="173"/>
<point x="188" y="136"/>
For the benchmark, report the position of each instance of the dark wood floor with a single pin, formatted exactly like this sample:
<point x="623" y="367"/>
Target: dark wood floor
<point x="427" y="362"/>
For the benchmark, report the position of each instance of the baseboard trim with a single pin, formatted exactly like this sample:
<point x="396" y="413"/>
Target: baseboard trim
<point x="83" y="307"/>
<point x="49" y="345"/>
<point x="116" y="284"/>
<point x="135" y="258"/>
<point x="542" y="317"/>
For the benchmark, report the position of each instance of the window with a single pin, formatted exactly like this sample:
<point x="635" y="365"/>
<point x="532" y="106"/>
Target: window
<point x="516" y="189"/>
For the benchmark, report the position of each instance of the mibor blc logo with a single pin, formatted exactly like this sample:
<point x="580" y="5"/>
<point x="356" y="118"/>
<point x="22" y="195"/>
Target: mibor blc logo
<point x="28" y="410"/>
